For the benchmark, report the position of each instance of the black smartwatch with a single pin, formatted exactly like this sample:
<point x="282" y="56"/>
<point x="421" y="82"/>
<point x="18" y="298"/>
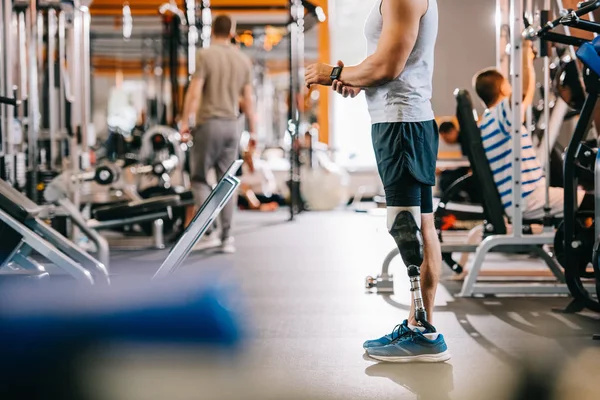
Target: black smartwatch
<point x="335" y="73"/>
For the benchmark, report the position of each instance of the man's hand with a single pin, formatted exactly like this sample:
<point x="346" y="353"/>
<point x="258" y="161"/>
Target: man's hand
<point x="184" y="131"/>
<point x="318" y="74"/>
<point x="345" y="91"/>
<point x="529" y="50"/>
<point x="185" y="137"/>
<point x="184" y="127"/>
<point x="342" y="89"/>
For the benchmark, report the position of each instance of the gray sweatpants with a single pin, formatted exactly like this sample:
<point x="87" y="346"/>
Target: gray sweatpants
<point x="216" y="145"/>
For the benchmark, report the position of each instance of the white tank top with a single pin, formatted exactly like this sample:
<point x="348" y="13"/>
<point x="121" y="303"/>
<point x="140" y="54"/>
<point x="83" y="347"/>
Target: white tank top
<point x="408" y="97"/>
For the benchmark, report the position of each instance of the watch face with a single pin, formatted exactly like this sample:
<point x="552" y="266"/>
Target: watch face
<point x="336" y="72"/>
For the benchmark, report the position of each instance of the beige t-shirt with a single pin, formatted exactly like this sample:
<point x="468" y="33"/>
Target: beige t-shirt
<point x="225" y="71"/>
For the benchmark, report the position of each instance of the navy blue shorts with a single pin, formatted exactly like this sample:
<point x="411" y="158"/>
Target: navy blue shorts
<point x="406" y="154"/>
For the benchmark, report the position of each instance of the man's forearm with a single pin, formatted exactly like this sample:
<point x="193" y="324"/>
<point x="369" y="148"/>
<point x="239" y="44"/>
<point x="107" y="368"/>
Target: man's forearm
<point x="250" y="117"/>
<point x="369" y="73"/>
<point x="251" y="124"/>
<point x="248" y="111"/>
<point x="190" y="104"/>
<point x="247" y="106"/>
<point x="531" y="80"/>
<point x="193" y="97"/>
<point x="528" y="75"/>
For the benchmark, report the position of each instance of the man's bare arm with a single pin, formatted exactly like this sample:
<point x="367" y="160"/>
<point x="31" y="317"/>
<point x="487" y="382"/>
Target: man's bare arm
<point x="192" y="101"/>
<point x="401" y="19"/>
<point x="247" y="106"/>
<point x="528" y="75"/>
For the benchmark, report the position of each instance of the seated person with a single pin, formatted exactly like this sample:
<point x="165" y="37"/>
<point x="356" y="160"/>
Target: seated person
<point x="258" y="185"/>
<point x="495" y="91"/>
<point x="450" y="134"/>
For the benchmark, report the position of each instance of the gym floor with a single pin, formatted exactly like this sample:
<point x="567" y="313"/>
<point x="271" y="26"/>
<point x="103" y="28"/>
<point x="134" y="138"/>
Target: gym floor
<point x="301" y="284"/>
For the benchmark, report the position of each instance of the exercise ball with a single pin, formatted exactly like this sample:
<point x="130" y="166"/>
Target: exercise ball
<point x="325" y="189"/>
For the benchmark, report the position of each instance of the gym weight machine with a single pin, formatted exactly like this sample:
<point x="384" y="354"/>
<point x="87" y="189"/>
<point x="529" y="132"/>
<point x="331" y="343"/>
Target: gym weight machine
<point x="128" y="211"/>
<point x="45" y="59"/>
<point x="162" y="149"/>
<point x="589" y="55"/>
<point x="23" y="232"/>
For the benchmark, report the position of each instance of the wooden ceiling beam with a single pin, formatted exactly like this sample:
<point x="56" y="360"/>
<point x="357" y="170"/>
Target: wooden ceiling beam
<point x="150" y="12"/>
<point x="150" y="7"/>
<point x="136" y="67"/>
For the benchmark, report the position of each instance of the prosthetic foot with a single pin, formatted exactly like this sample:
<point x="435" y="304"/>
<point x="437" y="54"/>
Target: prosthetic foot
<point x="408" y="238"/>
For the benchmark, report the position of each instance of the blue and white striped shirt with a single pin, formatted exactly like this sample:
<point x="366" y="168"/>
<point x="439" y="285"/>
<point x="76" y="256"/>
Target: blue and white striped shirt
<point x="496" y="132"/>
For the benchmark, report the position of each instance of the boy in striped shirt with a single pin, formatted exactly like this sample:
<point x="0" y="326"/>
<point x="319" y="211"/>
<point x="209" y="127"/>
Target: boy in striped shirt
<point x="496" y="134"/>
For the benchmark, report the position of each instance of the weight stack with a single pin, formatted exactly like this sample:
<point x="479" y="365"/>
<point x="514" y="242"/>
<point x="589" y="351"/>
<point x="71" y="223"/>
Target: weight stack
<point x="21" y="177"/>
<point x="8" y="166"/>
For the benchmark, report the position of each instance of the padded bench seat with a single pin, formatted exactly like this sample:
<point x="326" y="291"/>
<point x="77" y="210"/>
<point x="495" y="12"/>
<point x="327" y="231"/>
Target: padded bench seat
<point x="186" y="197"/>
<point x="16" y="204"/>
<point x="136" y="208"/>
<point x="554" y="220"/>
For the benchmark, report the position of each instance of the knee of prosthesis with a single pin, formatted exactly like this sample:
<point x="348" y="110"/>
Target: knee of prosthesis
<point x="408" y="238"/>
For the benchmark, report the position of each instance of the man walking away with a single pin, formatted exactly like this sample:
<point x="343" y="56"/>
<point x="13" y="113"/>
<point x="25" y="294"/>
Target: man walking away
<point x="220" y="88"/>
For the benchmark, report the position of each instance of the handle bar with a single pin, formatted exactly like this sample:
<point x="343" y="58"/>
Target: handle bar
<point x="8" y="101"/>
<point x="569" y="16"/>
<point x="11" y="101"/>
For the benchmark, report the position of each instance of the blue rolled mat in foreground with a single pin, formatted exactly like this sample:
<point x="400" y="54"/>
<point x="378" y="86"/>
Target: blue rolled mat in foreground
<point x="40" y="319"/>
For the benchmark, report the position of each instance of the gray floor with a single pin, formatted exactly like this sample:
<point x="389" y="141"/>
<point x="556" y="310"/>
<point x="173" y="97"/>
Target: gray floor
<point x="301" y="286"/>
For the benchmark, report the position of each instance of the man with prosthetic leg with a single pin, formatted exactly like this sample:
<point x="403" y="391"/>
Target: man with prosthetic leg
<point x="397" y="79"/>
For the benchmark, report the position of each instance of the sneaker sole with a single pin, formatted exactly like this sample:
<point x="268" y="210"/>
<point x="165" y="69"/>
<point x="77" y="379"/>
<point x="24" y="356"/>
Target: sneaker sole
<point x="206" y="245"/>
<point x="426" y="358"/>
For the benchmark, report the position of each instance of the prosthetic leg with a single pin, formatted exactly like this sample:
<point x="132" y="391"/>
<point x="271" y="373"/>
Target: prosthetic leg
<point x="408" y="238"/>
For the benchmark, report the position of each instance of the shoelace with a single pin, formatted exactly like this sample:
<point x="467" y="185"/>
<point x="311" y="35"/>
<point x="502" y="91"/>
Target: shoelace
<point x="407" y="335"/>
<point x="400" y="330"/>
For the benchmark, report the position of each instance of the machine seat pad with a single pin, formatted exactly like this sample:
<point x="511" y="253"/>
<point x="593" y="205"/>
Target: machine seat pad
<point x="16" y="204"/>
<point x="186" y="197"/>
<point x="555" y="221"/>
<point x="533" y="222"/>
<point x="136" y="208"/>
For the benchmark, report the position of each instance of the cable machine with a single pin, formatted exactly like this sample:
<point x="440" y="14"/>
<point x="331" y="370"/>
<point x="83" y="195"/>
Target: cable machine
<point x="45" y="66"/>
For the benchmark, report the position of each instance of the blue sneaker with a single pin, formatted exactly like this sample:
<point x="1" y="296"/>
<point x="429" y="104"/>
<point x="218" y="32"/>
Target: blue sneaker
<point x="412" y="347"/>
<point x="399" y="331"/>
